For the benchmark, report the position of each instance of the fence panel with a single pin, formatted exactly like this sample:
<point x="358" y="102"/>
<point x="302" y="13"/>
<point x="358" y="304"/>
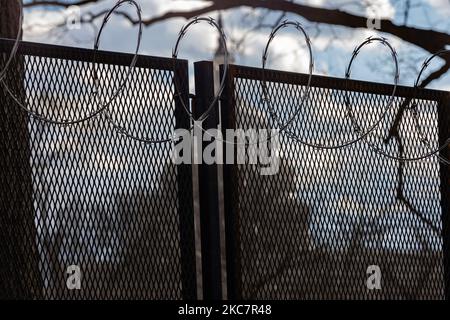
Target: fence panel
<point x="87" y="194"/>
<point x="312" y="230"/>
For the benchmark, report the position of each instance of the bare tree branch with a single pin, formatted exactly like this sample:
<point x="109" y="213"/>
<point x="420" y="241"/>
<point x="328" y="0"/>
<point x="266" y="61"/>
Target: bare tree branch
<point x="429" y="40"/>
<point x="55" y="3"/>
<point x="433" y="76"/>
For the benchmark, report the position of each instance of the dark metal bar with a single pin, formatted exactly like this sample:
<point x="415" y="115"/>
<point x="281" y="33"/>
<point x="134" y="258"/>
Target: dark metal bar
<point x="333" y="83"/>
<point x="208" y="187"/>
<point x="232" y="229"/>
<point x="87" y="55"/>
<point x="444" y="134"/>
<point x="185" y="198"/>
<point x="20" y="277"/>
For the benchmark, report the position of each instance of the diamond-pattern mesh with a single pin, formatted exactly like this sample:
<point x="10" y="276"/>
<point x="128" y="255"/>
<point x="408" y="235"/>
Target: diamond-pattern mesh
<point x="85" y="194"/>
<point x="89" y="195"/>
<point x="312" y="230"/>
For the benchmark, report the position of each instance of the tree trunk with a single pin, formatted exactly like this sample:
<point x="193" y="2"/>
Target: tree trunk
<point x="19" y="271"/>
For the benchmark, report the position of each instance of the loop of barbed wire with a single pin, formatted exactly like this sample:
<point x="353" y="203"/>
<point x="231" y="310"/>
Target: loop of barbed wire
<point x="356" y="126"/>
<point x="418" y="128"/>
<point x="273" y="132"/>
<point x="178" y="94"/>
<point x="15" y="46"/>
<point x="423" y="139"/>
<point x="266" y="99"/>
<point x="175" y="52"/>
<point x="217" y="96"/>
<point x="276" y="131"/>
<point x="357" y="129"/>
<point x="103" y="106"/>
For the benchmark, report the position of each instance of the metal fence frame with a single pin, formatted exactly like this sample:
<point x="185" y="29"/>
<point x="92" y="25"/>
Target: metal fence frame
<point x="212" y="238"/>
<point x="180" y="70"/>
<point x="230" y="171"/>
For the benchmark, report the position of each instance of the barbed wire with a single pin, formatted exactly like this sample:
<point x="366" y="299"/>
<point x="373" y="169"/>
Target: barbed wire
<point x="274" y="131"/>
<point x="356" y="127"/>
<point x="95" y="77"/>
<point x="223" y="41"/>
<point x="362" y="135"/>
<point x="423" y="139"/>
<point x="175" y="52"/>
<point x="418" y="128"/>
<point x="266" y="99"/>
<point x="118" y="128"/>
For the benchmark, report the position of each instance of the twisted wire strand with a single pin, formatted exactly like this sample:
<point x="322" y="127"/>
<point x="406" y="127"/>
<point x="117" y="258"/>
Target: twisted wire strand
<point x="175" y="52"/>
<point x="103" y="106"/>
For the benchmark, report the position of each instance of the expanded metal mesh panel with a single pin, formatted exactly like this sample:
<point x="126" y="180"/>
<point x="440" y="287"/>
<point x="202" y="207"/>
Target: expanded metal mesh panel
<point x="87" y="194"/>
<point x="312" y="230"/>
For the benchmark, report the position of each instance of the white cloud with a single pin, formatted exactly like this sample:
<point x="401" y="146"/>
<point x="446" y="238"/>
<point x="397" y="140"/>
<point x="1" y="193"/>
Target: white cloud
<point x="442" y="5"/>
<point x="288" y="52"/>
<point x="382" y="9"/>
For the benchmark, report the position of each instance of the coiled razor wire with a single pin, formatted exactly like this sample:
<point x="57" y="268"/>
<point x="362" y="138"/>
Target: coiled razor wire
<point x="217" y="95"/>
<point x="118" y="128"/>
<point x="175" y="52"/>
<point x="357" y="129"/>
<point x="423" y="139"/>
<point x="104" y="105"/>
<point x="417" y="126"/>
<point x="282" y="25"/>
<point x="266" y="99"/>
<point x="15" y="47"/>
<point x="178" y="94"/>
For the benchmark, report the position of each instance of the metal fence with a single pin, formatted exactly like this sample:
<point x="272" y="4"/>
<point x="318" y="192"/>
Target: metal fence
<point x="86" y="194"/>
<point x="312" y="230"/>
<point x="90" y="195"/>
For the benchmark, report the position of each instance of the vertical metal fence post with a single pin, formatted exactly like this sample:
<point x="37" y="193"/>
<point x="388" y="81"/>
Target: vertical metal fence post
<point x="208" y="187"/>
<point x="444" y="134"/>
<point x="184" y="183"/>
<point x="232" y="230"/>
<point x="19" y="258"/>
